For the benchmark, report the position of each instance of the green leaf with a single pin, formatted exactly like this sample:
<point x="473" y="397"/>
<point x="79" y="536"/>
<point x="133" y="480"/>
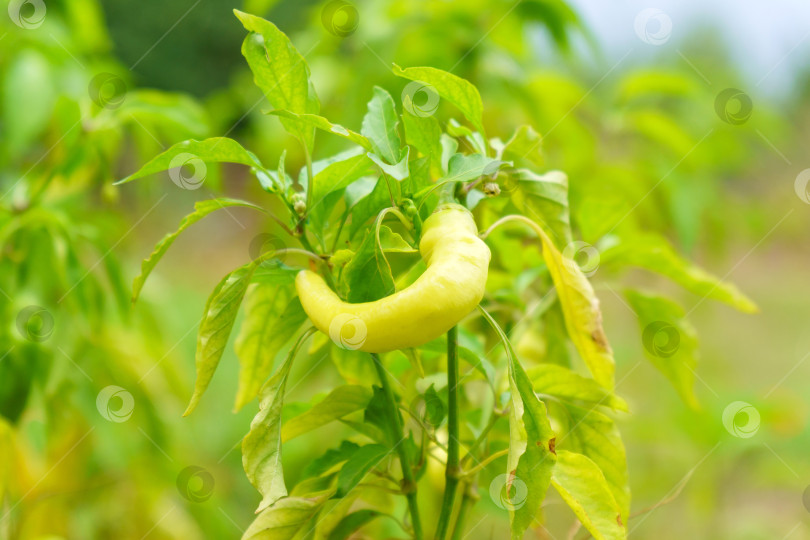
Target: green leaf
<point x="213" y="150"/>
<point x="565" y="384"/>
<point x="398" y="170"/>
<point x="337" y="176"/>
<point x="370" y="205"/>
<point x="330" y="458"/>
<point x="454" y="89"/>
<point x="352" y="523"/>
<point x="281" y="73"/>
<point x="363" y="460"/>
<point x="524" y="145"/>
<point x="285" y="518"/>
<point x="261" y="447"/>
<point x="341" y="401"/>
<point x="584" y="489"/>
<point x="652" y="252"/>
<point x="532" y="454"/>
<point x="325" y="125"/>
<point x="462" y="168"/>
<point x="544" y="198"/>
<point x="595" y="435"/>
<point x="580" y="306"/>
<point x="273" y="314"/>
<point x="380" y="127"/>
<point x="424" y="134"/>
<point x="670" y="342"/>
<point x="368" y="275"/>
<point x="219" y="316"/>
<point x="378" y="414"/>
<point x="201" y="209"/>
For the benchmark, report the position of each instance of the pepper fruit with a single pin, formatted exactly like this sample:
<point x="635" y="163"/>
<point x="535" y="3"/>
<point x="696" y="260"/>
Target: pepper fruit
<point x="448" y="290"/>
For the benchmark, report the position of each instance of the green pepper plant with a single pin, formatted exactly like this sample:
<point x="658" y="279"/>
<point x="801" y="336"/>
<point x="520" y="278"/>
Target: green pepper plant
<point x="497" y="372"/>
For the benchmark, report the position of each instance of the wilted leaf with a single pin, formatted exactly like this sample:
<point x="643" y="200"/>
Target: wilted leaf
<point x="543" y="198"/>
<point x="561" y="382"/>
<point x="285" y="518"/>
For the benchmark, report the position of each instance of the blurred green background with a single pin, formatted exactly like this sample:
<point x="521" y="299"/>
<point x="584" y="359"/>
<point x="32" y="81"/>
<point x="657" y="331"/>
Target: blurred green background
<point x="627" y="97"/>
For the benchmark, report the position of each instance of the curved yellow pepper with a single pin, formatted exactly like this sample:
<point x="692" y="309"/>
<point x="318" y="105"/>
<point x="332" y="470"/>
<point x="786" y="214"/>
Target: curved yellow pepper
<point x="449" y="289"/>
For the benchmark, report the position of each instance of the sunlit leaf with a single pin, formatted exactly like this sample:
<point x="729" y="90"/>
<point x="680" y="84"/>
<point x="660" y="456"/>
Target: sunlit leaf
<point x="362" y="461"/>
<point x="543" y="198"/>
<point x="561" y="382"/>
<point x="584" y="489"/>
<point x="325" y="125"/>
<point x="669" y="341"/>
<point x="341" y="401"/>
<point x="454" y="89"/>
<point x="380" y="126"/>
<point x="285" y="518"/>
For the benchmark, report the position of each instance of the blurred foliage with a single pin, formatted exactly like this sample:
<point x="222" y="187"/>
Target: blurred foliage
<point x="91" y="94"/>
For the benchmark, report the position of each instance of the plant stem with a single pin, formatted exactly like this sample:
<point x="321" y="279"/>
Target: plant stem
<point x="398" y="437"/>
<point x="452" y="470"/>
<point x="466" y="502"/>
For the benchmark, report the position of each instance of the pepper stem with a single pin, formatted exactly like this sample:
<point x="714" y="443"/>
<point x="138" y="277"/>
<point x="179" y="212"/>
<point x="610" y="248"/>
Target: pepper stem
<point x="452" y="472"/>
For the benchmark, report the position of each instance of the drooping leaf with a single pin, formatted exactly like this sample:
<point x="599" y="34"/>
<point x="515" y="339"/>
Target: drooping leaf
<point x="201" y="209"/>
<point x="219" y="316"/>
<point x="261" y="447"/>
<point x="363" y="460"/>
<point x="584" y="489"/>
<point x="285" y="518"/>
<point x="398" y="170"/>
<point x="669" y="341"/>
<point x="454" y="89"/>
<point x="524" y="145"/>
<point x="595" y="435"/>
<point x="652" y="252"/>
<point x="213" y="150"/>
<point x="341" y="401"/>
<point x="544" y="198"/>
<point x="580" y="307"/>
<point x="380" y="127"/>
<point x="368" y="275"/>
<point x="330" y="458"/>
<point x="352" y="522"/>
<point x="336" y="176"/>
<point x="563" y="383"/>
<point x="281" y="73"/>
<point x="532" y="453"/>
<point x="273" y="314"/>
<point x="325" y="125"/>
